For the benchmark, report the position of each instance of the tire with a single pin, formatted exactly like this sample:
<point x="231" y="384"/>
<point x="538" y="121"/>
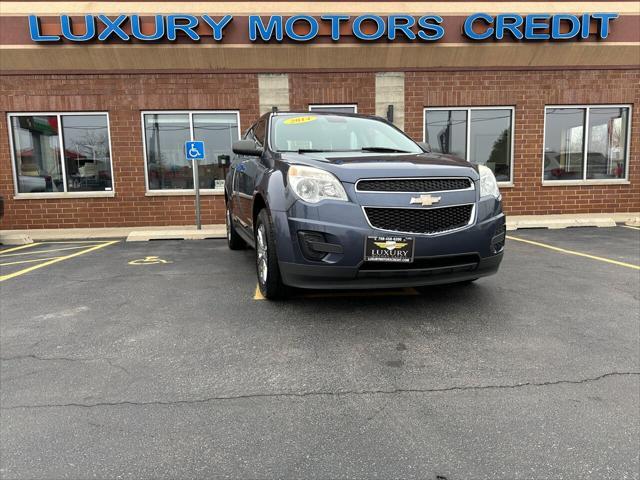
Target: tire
<point x="267" y="269"/>
<point x="234" y="241"/>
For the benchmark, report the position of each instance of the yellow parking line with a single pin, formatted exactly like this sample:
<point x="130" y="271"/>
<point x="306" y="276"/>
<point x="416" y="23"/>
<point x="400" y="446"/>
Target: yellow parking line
<point x="43" y="251"/>
<point x="73" y="241"/>
<point x="258" y="295"/>
<point x="572" y="252"/>
<point x="631" y="227"/>
<point x="27" y="261"/>
<point x="55" y="260"/>
<point x="13" y="249"/>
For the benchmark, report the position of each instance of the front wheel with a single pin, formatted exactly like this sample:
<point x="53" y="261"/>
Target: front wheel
<point x="269" y="279"/>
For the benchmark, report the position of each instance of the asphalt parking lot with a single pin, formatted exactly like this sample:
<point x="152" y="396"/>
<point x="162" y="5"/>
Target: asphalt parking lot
<point x="158" y="360"/>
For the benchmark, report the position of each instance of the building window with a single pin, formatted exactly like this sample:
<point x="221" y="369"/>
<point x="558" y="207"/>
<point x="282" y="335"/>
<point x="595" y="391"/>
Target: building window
<point x="164" y="136"/>
<point x="600" y="154"/>
<point x="61" y="152"/>
<point x="334" y="108"/>
<point x="477" y="134"/>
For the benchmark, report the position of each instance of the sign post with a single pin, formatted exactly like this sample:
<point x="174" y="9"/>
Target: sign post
<point x="194" y="152"/>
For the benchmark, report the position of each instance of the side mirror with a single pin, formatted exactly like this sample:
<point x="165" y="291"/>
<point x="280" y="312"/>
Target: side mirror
<point x="425" y="146"/>
<point x="247" y="147"/>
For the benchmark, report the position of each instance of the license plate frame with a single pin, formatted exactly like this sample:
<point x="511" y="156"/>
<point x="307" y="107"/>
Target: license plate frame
<point x="389" y="253"/>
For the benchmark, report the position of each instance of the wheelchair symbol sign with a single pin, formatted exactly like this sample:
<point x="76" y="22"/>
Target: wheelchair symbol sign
<point x="194" y="150"/>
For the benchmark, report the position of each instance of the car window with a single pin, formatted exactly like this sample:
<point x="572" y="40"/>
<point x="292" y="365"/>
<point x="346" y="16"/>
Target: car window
<point x="337" y="133"/>
<point x="260" y="130"/>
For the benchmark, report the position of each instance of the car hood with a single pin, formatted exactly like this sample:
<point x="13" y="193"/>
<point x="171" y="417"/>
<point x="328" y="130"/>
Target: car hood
<point x="352" y="166"/>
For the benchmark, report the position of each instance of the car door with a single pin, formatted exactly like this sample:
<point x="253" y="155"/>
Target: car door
<point x="249" y="173"/>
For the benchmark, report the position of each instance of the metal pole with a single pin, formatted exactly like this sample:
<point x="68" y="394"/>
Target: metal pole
<point x="196" y="179"/>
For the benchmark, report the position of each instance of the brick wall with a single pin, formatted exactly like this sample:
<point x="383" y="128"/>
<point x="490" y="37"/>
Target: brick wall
<point x="529" y="92"/>
<point x="124" y="96"/>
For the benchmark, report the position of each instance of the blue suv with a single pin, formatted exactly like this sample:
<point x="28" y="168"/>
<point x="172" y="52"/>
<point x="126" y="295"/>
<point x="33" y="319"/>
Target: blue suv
<point x="333" y="201"/>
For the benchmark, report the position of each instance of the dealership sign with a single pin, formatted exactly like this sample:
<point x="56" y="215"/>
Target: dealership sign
<point x="305" y="28"/>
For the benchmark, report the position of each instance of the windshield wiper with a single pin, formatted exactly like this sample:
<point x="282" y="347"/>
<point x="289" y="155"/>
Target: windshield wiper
<point x="383" y="149"/>
<point x="311" y="150"/>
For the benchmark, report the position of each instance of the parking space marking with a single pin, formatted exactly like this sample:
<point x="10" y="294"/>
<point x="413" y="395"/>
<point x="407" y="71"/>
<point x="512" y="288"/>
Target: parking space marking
<point x="56" y="260"/>
<point x="403" y="292"/>
<point x="573" y="252"/>
<point x="27" y="261"/>
<point x="21" y="247"/>
<point x="631" y="227"/>
<point x="2" y="255"/>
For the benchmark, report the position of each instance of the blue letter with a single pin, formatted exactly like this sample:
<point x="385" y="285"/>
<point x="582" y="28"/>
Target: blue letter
<point x="136" y="29"/>
<point x="34" y="30"/>
<point x="438" y="29"/>
<point x="532" y="24"/>
<point x="403" y="23"/>
<point x="468" y="26"/>
<point x="604" y="18"/>
<point x="512" y="25"/>
<point x="112" y="26"/>
<point x="313" y="28"/>
<point x="217" y="26"/>
<point x="555" y="26"/>
<point x="586" y="23"/>
<point x="357" y="27"/>
<point x="335" y="24"/>
<point x="90" y="28"/>
<point x="266" y="32"/>
<point x="173" y="26"/>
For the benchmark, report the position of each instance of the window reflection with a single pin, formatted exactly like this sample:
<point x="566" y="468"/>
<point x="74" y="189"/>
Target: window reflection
<point x="167" y="166"/>
<point x="37" y="153"/>
<point x="564" y="141"/>
<point x="86" y="153"/>
<point x="490" y="142"/>
<point x="446" y="131"/>
<point x="489" y="132"/>
<point x="218" y="131"/>
<point x="607" y="143"/>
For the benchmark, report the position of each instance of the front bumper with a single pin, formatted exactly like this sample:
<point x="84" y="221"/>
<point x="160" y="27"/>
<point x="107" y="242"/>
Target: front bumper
<point x="452" y="257"/>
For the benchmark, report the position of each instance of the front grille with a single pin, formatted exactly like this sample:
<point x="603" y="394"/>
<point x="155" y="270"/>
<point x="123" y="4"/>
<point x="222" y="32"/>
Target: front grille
<point x="417" y="220"/>
<point x="414" y="185"/>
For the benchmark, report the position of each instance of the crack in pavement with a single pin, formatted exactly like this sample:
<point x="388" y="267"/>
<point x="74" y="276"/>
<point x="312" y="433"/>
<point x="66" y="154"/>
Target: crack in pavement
<point x="327" y="393"/>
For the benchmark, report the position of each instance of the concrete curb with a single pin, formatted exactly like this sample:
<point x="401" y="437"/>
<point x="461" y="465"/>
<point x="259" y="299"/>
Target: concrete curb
<point x="142" y="234"/>
<point x="218" y="231"/>
<point x="515" y="222"/>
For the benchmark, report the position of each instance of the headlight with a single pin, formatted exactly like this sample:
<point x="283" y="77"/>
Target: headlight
<point x="313" y="184"/>
<point x="488" y="184"/>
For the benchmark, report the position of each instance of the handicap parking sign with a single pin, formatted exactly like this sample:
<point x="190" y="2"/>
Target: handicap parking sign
<point x="194" y="150"/>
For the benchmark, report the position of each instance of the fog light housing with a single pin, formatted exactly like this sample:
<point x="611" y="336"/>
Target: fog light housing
<point x="314" y="245"/>
<point x="497" y="242"/>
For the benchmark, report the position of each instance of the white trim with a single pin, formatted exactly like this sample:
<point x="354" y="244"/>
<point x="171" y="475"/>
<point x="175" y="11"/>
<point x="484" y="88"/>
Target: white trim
<point x="512" y="109"/>
<point x="63" y="166"/>
<point x="171" y="192"/>
<point x="336" y="105"/>
<point x="59" y="195"/>
<point x="179" y="192"/>
<point x="593" y="182"/>
<point x="585" y="147"/>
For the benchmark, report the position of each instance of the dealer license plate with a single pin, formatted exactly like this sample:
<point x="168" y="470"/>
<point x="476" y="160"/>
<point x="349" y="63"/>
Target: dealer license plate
<point x="389" y="249"/>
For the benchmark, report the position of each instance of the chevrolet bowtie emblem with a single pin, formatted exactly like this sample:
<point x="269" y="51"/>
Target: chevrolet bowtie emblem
<point x="425" y="200"/>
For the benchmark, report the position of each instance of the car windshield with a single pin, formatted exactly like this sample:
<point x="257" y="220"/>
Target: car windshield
<point x="336" y="133"/>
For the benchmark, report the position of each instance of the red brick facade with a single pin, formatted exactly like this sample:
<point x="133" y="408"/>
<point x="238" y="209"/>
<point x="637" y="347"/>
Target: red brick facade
<point x="124" y="96"/>
<point x="529" y="92"/>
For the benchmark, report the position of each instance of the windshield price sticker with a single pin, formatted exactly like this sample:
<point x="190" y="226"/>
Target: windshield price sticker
<point x="299" y="120"/>
<point x="389" y="249"/>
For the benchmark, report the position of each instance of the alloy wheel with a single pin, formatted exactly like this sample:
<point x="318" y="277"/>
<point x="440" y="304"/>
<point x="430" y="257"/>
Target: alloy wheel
<point x="262" y="254"/>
